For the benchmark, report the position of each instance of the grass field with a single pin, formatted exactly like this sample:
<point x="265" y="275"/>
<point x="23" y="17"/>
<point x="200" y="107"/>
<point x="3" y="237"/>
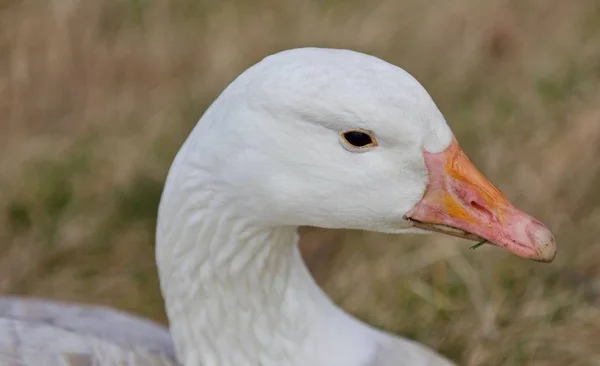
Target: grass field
<point x="97" y="96"/>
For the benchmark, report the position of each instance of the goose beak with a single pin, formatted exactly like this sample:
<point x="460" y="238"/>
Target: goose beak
<point x="460" y="201"/>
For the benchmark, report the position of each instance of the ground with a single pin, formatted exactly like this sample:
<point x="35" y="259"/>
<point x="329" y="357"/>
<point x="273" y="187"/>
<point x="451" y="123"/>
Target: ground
<point x="97" y="96"/>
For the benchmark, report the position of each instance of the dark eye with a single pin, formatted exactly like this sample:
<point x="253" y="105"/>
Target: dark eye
<point x="358" y="139"/>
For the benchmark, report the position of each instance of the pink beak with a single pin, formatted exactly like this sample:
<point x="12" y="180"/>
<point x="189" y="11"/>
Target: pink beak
<point x="460" y="201"/>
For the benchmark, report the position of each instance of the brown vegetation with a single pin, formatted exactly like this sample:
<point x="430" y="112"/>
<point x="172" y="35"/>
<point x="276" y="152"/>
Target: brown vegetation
<point x="97" y="96"/>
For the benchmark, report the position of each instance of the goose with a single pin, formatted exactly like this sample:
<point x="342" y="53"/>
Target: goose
<point x="327" y="138"/>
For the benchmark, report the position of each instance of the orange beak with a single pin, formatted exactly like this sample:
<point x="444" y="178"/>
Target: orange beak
<point x="460" y="201"/>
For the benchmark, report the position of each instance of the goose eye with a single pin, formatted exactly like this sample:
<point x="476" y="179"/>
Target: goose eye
<point x="358" y="139"/>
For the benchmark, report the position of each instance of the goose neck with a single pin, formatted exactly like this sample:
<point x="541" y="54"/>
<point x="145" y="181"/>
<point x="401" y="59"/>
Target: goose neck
<point x="240" y="294"/>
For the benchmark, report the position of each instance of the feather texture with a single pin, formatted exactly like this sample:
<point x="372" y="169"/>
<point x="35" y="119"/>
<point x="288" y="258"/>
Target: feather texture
<point x="41" y="332"/>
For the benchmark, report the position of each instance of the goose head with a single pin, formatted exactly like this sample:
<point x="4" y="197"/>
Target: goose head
<point x="339" y="139"/>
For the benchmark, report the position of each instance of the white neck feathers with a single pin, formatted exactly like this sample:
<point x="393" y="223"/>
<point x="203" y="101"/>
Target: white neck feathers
<point x="239" y="294"/>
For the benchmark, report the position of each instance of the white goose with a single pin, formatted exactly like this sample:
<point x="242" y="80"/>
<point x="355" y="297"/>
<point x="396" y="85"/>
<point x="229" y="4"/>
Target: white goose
<point x="317" y="137"/>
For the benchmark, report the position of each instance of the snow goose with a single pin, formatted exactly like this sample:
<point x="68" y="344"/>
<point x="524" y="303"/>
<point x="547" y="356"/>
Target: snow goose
<point x="306" y="137"/>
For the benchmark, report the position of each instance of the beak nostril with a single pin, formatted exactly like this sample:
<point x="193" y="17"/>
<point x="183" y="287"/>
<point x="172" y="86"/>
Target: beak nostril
<point x="482" y="210"/>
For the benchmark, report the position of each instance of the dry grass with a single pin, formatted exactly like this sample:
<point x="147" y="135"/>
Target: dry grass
<point x="96" y="97"/>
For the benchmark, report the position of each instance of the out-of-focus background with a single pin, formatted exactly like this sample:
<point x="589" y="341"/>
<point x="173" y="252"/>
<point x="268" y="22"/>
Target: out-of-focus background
<point x="97" y="96"/>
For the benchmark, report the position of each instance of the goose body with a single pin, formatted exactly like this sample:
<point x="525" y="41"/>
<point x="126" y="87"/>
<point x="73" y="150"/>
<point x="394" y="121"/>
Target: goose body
<point x="42" y="332"/>
<point x="306" y="137"/>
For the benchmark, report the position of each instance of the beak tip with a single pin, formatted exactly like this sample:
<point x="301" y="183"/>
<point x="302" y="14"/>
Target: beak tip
<point x="545" y="243"/>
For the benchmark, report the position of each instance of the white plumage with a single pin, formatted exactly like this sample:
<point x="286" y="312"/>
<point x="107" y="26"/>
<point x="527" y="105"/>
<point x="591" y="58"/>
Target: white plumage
<point x="265" y="158"/>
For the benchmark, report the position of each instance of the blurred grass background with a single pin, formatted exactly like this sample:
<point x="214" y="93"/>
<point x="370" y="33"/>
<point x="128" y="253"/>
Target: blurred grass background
<point x="97" y="96"/>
